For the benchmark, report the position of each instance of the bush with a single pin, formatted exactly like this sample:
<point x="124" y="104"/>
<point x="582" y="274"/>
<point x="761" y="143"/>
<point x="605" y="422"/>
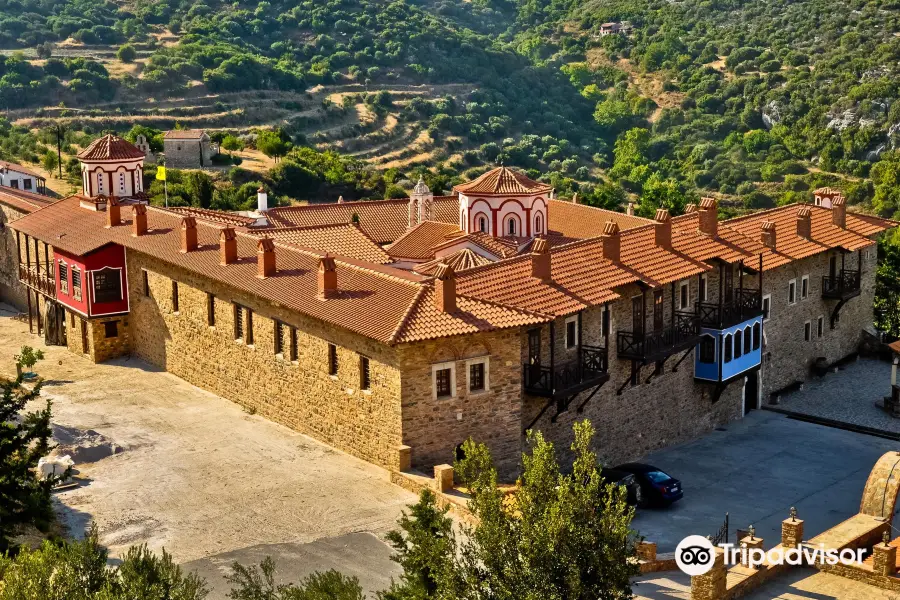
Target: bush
<point x="127" y="53"/>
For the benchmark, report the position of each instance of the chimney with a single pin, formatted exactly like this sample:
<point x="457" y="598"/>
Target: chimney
<point x="575" y="198"/>
<point x="188" y="234"/>
<point x="804" y="222"/>
<point x="629" y="210"/>
<point x="445" y="288"/>
<point x="611" y="241"/>
<point x="227" y="246"/>
<point x="327" y="278"/>
<point x="690" y="208"/>
<point x="113" y="212"/>
<point x="540" y="259"/>
<point x="709" y="220"/>
<point x="340" y="200"/>
<point x="139" y="220"/>
<point x="663" y="228"/>
<point x="768" y="237"/>
<point x="839" y="212"/>
<point x="262" y="200"/>
<point x="265" y="258"/>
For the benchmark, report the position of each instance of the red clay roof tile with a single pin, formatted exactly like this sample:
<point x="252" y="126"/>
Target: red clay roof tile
<point x="110" y="147"/>
<point x="418" y="243"/>
<point x="503" y="181"/>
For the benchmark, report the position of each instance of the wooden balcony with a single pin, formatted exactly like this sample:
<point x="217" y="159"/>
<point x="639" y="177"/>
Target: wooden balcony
<point x="567" y="379"/>
<point x="843" y="286"/>
<point x="747" y="304"/>
<point x="40" y="281"/>
<point x="655" y="346"/>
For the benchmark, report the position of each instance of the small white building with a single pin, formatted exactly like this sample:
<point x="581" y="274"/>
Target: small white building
<point x="21" y="178"/>
<point x="623" y="28"/>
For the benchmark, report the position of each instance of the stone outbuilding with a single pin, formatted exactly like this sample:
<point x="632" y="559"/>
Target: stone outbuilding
<point x="188" y="149"/>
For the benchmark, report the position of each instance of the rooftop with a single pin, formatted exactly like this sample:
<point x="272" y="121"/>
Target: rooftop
<point x="110" y="147"/>
<point x="19" y="169"/>
<point x="184" y="134"/>
<point x="505" y="181"/>
<point x="22" y="201"/>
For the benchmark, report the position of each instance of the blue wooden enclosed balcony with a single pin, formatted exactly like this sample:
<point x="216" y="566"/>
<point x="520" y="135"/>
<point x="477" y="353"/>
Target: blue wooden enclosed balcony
<point x="726" y="353"/>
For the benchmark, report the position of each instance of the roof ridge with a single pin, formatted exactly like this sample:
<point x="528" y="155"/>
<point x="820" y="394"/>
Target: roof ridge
<point x="323" y="205"/>
<point x="404" y="320"/>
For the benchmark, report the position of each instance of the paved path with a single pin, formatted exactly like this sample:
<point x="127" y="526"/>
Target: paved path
<point x="193" y="473"/>
<point x="756" y="469"/>
<point x="848" y="396"/>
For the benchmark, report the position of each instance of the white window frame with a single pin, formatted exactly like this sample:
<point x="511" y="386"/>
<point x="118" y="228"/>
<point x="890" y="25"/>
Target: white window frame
<point x="572" y="319"/>
<point x="804" y="287"/>
<point x="820" y="327"/>
<point x="484" y="360"/>
<point x="807" y="326"/>
<point x="439" y="367"/>
<point x="704" y="287"/>
<point x="684" y="284"/>
<point x="792" y="283"/>
<point x="767" y="299"/>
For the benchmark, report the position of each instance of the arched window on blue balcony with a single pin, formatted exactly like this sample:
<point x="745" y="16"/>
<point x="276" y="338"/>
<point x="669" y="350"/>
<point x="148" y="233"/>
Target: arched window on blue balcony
<point x="738" y="343"/>
<point x="757" y="335"/>
<point x="748" y="340"/>
<point x="726" y="347"/>
<point x="708" y="349"/>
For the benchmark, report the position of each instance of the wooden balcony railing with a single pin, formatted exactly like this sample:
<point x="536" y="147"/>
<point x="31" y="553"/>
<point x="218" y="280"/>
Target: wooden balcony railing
<point x="38" y="281"/>
<point x="590" y="369"/>
<point x="746" y="304"/>
<point x="842" y="286"/>
<point x="652" y="346"/>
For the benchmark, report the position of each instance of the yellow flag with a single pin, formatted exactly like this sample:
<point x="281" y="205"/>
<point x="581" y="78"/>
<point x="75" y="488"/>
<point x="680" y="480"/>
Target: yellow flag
<point x="161" y="173"/>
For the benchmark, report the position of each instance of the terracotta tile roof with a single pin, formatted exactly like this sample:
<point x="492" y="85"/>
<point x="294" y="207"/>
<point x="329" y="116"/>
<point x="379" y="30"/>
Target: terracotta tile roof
<point x="503" y="181"/>
<point x="213" y="216"/>
<point x="19" y="169"/>
<point x="459" y="261"/>
<point x="344" y="239"/>
<point x="418" y="243"/>
<point x="729" y="245"/>
<point x="22" y="201"/>
<point x="502" y="247"/>
<point x="110" y="147"/>
<point x="895" y="346"/>
<point x="579" y="221"/>
<point x="184" y="134"/>
<point x="383" y="220"/>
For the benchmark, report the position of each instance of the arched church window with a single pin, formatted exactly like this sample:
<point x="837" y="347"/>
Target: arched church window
<point x="511" y="226"/>
<point x="482" y="224"/>
<point x="539" y="223"/>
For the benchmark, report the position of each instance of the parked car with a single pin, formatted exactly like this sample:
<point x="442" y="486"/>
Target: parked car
<point x="624" y="479"/>
<point x="654" y="486"/>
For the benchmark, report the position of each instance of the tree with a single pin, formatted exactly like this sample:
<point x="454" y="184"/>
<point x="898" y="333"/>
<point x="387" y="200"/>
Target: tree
<point x="24" y="440"/>
<point x="232" y="143"/>
<point x="127" y="53"/>
<point x="887" y="284"/>
<point x="49" y="161"/>
<point x="199" y="187"/>
<point x="252" y="583"/>
<point x="271" y="144"/>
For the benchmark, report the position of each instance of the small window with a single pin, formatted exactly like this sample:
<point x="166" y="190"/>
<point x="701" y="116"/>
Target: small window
<point x="249" y="339"/>
<point x="476" y="377"/>
<point x="738" y="343"/>
<point x="792" y="291"/>
<point x="14" y="184"/>
<point x="145" y="282"/>
<point x="293" y="343"/>
<point x="571" y="333"/>
<point x="807" y="331"/>
<point x="210" y="310"/>
<point x="332" y="359"/>
<point x="365" y="375"/>
<point x="511" y="227"/>
<point x="442" y="383"/>
<point x="111" y="329"/>
<point x="238" y="322"/>
<point x="820" y="326"/>
<point x="64" y="278"/>
<point x="121" y="183"/>
<point x="757" y="337"/>
<point x="107" y="285"/>
<point x="278" y="336"/>
<point x="604" y="323"/>
<point x="539" y="224"/>
<point x="482" y="224"/>
<point x="766" y="306"/>
<point x="726" y="347"/>
<point x="685" y="295"/>
<point x="76" y="283"/>
<point x="804" y="287"/>
<point x="175" y="296"/>
<point x="707" y="349"/>
<point x="748" y="340"/>
<point x="702" y="291"/>
<point x="26" y="184"/>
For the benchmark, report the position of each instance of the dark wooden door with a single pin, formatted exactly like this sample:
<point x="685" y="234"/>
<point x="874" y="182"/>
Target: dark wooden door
<point x="832" y="267"/>
<point x="534" y="347"/>
<point x="729" y="283"/>
<point x="751" y="392"/>
<point x="637" y="315"/>
<point x="658" y="310"/>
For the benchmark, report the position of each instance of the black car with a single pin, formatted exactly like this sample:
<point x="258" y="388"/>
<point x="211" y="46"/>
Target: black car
<point x="626" y="480"/>
<point x="654" y="486"/>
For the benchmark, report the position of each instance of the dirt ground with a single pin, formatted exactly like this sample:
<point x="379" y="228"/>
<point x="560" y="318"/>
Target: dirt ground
<point x="174" y="466"/>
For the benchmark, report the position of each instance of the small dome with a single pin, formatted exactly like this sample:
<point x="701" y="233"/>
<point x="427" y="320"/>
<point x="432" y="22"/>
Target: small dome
<point x="421" y="189"/>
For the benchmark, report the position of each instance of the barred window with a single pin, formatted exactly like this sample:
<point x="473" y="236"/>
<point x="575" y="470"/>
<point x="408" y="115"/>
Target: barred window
<point x="175" y="296"/>
<point x="442" y="383"/>
<point x="476" y="377"/>
<point x="293" y="343"/>
<point x="64" y="278"/>
<point x="332" y="359"/>
<point x="238" y="322"/>
<point x="279" y="337"/>
<point x="365" y="375"/>
<point x="210" y="310"/>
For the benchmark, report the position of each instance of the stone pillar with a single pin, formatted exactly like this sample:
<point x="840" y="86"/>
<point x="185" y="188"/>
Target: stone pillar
<point x="646" y="551"/>
<point x="792" y="530"/>
<point x="711" y="585"/>
<point x="443" y="477"/>
<point x="404" y="458"/>
<point x="884" y="557"/>
<point x="750" y="543"/>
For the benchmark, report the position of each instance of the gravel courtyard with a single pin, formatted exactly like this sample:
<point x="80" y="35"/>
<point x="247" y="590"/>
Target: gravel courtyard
<point x="172" y="466"/>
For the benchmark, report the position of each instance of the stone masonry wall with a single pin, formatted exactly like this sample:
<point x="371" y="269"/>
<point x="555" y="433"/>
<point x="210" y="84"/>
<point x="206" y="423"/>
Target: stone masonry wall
<point x="300" y="394"/>
<point x="186" y="154"/>
<point x="11" y="290"/>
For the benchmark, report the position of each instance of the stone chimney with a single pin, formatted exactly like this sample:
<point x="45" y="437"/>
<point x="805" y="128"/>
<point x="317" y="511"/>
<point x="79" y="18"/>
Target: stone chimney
<point x="612" y="241"/>
<point x="139" y="220"/>
<point x="188" y="234"/>
<point x="839" y="212"/>
<point x="804" y="222"/>
<point x="663" y="229"/>
<point x="113" y="212"/>
<point x="262" y="200"/>
<point x="227" y="246"/>
<point x="575" y="198"/>
<point x="340" y="200"/>
<point x="327" y="278"/>
<point x="445" y="288"/>
<point x="629" y="210"/>
<point x="540" y="260"/>
<point x="265" y="258"/>
<point x="709" y="219"/>
<point x="768" y="237"/>
<point x="690" y="208"/>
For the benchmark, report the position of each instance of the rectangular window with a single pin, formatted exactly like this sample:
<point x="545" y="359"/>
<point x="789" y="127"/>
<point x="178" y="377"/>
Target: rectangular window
<point x="792" y="291"/>
<point x="210" y="310"/>
<point x="111" y="329"/>
<point x="702" y="291"/>
<point x="107" y="285"/>
<point x="365" y="375"/>
<point x="332" y="360"/>
<point x="174" y="296"/>
<point x="534" y="347"/>
<point x="26" y="184"/>
<point x="476" y="377"/>
<point x="804" y="287"/>
<point x="293" y="343"/>
<point x="707" y="349"/>
<point x="604" y="327"/>
<point x="145" y="282"/>
<point x="76" y="283"/>
<point x="442" y="383"/>
<point x="14" y="183"/>
<point x="727" y="348"/>
<point x="64" y="278"/>
<point x="685" y="295"/>
<point x="279" y="337"/>
<point x="658" y="310"/>
<point x="807" y="331"/>
<point x="820" y="326"/>
<point x="766" y="305"/>
<point x="571" y="333"/>
<point x="249" y="332"/>
<point x="238" y="322"/>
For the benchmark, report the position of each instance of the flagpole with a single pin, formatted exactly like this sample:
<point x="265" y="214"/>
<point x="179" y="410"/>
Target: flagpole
<point x="166" y="188"/>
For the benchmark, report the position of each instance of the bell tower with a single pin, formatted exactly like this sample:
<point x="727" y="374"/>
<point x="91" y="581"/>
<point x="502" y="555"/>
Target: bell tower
<point x="111" y="166"/>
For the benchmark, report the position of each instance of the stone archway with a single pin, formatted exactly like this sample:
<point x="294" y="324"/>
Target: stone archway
<point x="879" y="497"/>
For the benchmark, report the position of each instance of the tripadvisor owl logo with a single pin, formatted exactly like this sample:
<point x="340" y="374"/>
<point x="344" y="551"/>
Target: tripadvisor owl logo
<point x="695" y="555"/>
